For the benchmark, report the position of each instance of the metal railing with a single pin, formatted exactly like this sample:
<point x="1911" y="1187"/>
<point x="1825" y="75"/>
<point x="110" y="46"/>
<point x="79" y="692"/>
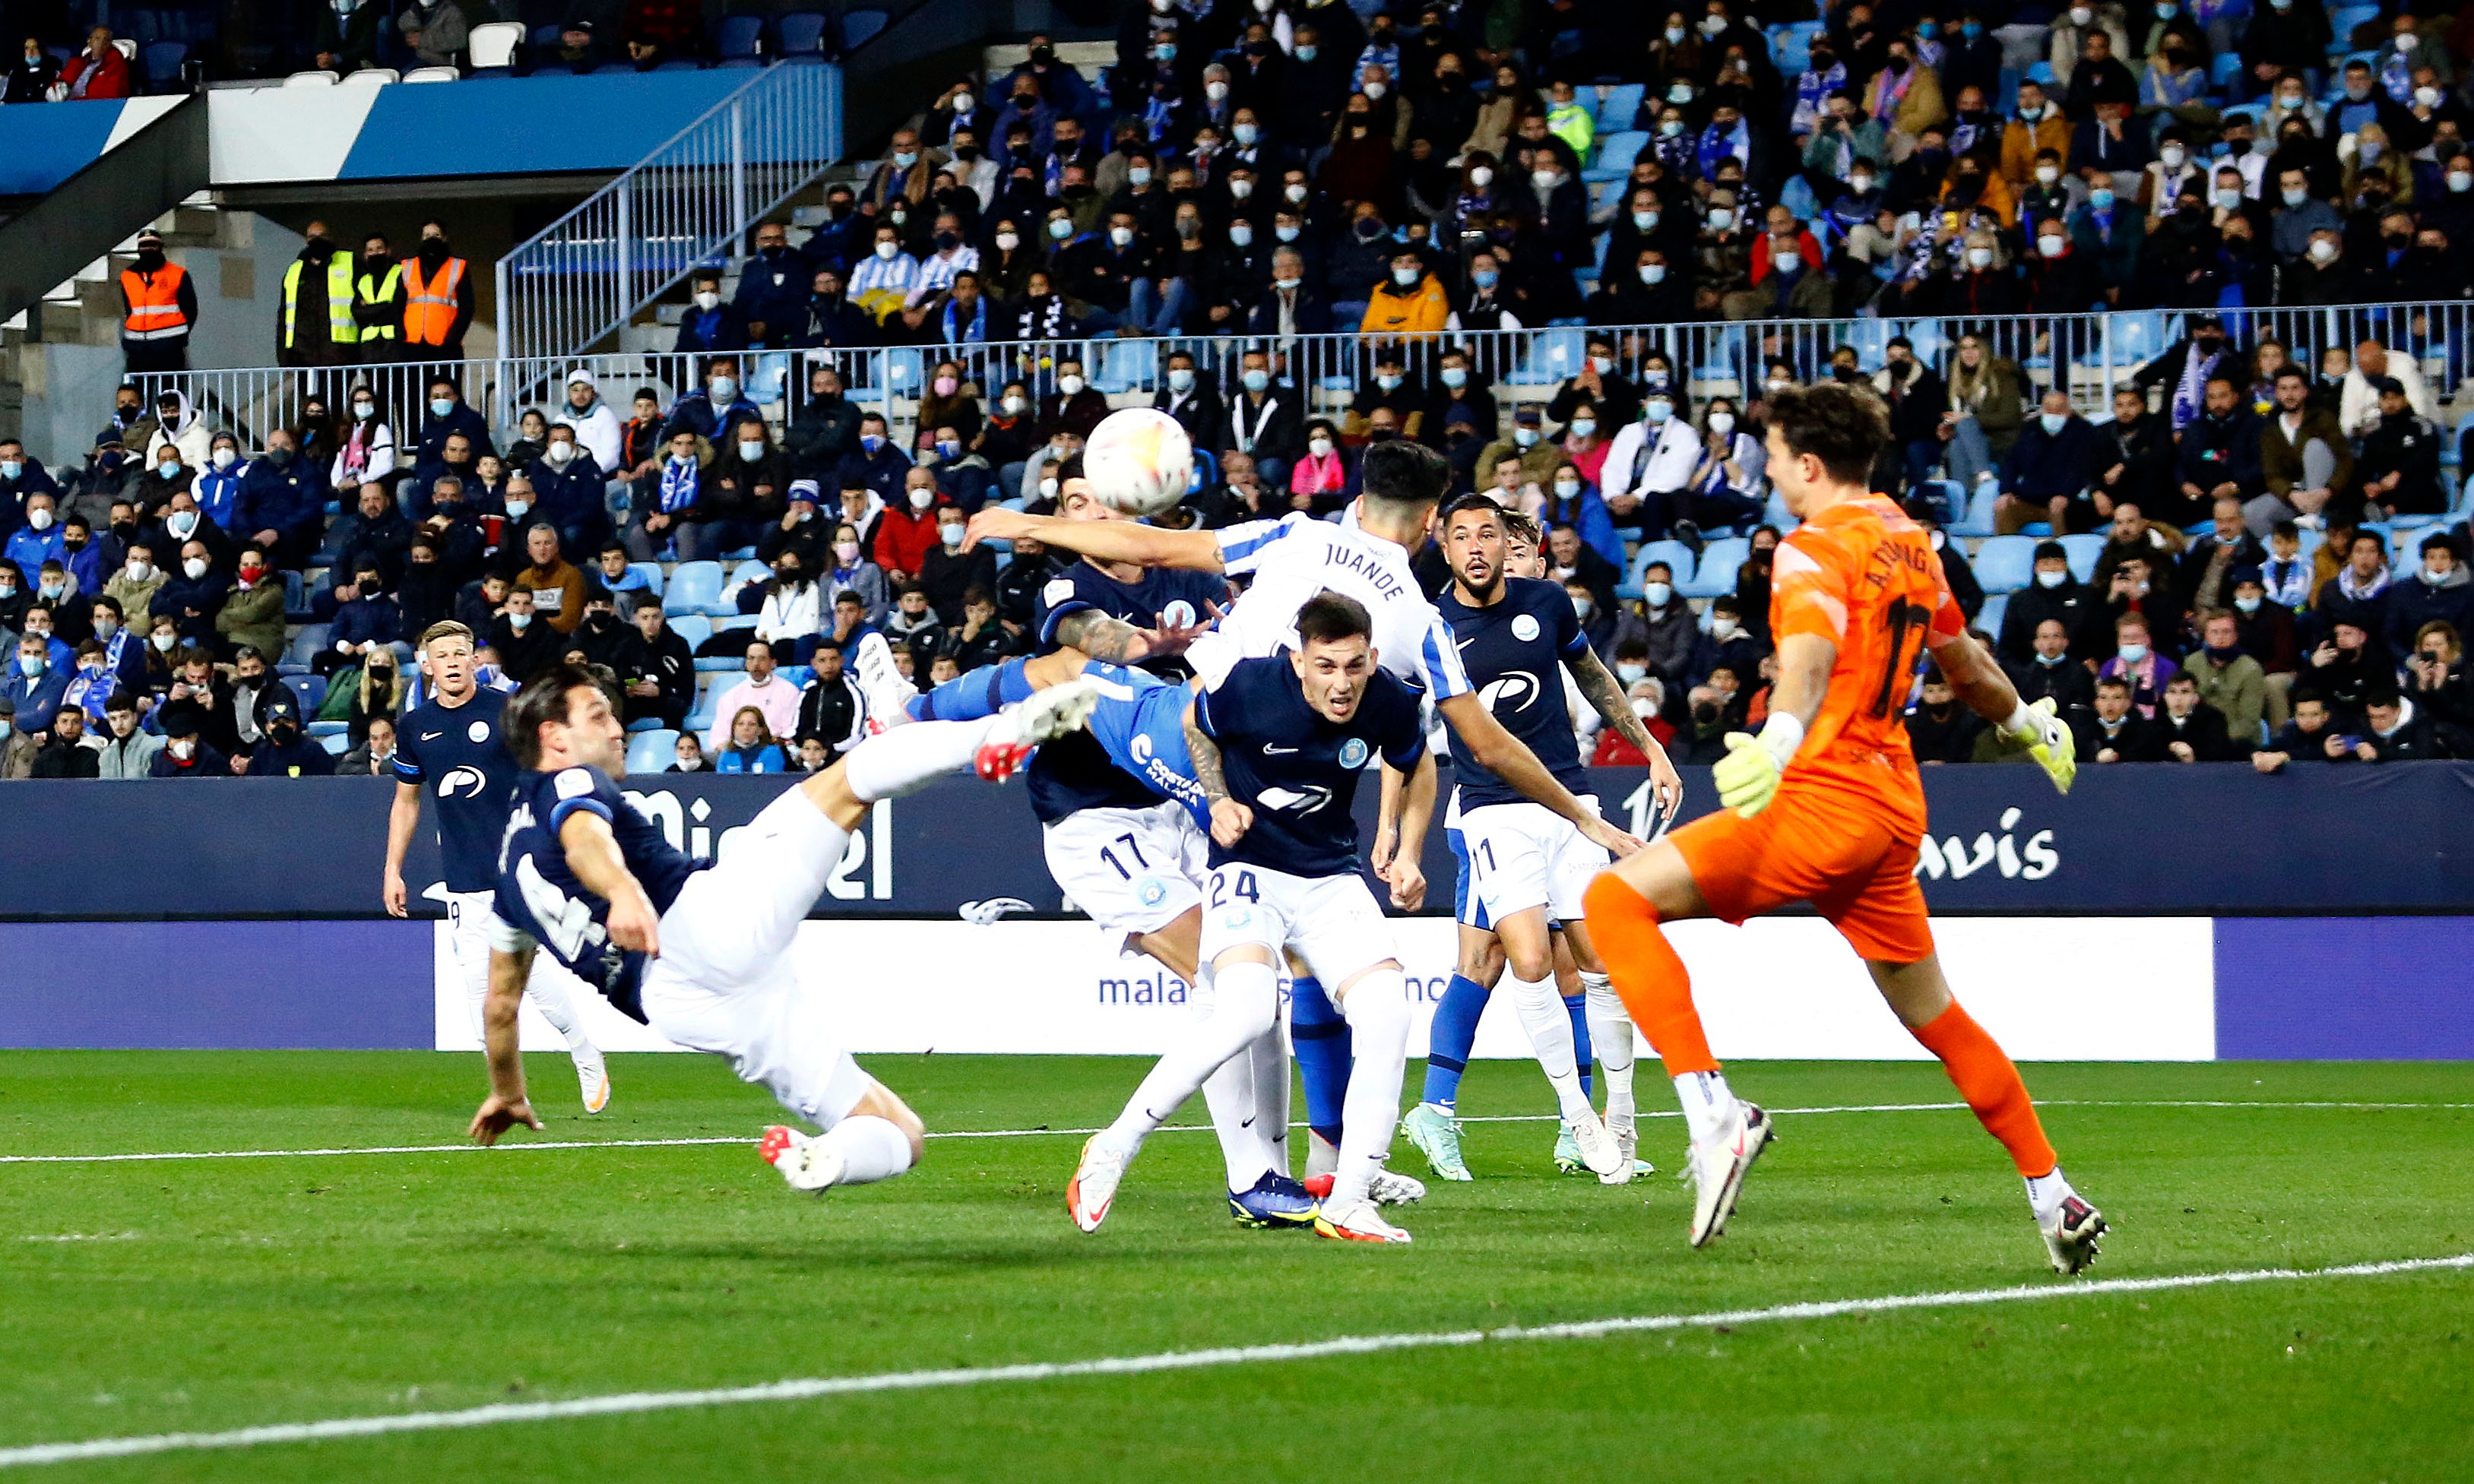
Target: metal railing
<point x="2086" y="355"/>
<point x="685" y="205"/>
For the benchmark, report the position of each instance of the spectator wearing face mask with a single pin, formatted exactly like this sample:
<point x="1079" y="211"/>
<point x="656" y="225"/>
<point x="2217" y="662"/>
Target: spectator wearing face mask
<point x="187" y="752"/>
<point x="947" y="572"/>
<point x="35" y="686"/>
<point x="252" y="614"/>
<point x="39" y="539"/>
<point x="135" y="585"/>
<point x="1649" y="467"/>
<point x="366" y="617"/>
<point x="744" y="489"/>
<point x="21" y="474"/>
<point x="788" y="606"/>
<point x="288" y="752"/>
<point x="713" y="407"/>
<point x="876" y="464"/>
<point x="194" y="596"/>
<point x="570" y="487"/>
<point x="1408" y="304"/>
<point x="2053" y="594"/>
<point x="908" y="531"/>
<point x="127" y="749"/>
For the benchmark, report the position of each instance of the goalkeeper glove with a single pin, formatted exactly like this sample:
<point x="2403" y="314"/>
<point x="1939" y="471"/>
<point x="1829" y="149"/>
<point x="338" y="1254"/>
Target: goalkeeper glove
<point x="1748" y="776"/>
<point x="2048" y="739"/>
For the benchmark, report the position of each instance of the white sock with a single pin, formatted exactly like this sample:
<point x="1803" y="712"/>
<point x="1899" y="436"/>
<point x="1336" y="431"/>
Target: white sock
<point x="2046" y="1192"/>
<point x="1376" y="1009"/>
<point x="1268" y="1057"/>
<point x="908" y="758"/>
<point x="871" y="1149"/>
<point x="1549" y="1026"/>
<point x="1245" y="1004"/>
<point x="1230" y="1095"/>
<point x="1322" y="1156"/>
<point x="1707" y="1103"/>
<point x="548" y="994"/>
<point x="1610" y="1036"/>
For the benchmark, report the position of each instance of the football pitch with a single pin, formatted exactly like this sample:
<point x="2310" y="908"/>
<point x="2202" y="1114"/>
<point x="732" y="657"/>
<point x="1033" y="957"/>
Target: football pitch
<point x="624" y="1309"/>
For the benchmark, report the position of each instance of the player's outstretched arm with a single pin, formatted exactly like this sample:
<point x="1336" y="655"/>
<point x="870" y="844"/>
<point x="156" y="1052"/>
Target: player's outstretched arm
<point x="1983" y="687"/>
<point x="1404" y="867"/>
<point x="403" y="817"/>
<point x="593" y="853"/>
<point x="1108" y="540"/>
<point x="1510" y="759"/>
<point x="506" y="1106"/>
<point x="1605" y="694"/>
<point x="1230" y="818"/>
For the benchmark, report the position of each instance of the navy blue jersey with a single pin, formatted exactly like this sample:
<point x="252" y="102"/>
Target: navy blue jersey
<point x="1297" y="770"/>
<point x="1514" y="651"/>
<point x="538" y="893"/>
<point x="459" y="751"/>
<point x="1073" y="772"/>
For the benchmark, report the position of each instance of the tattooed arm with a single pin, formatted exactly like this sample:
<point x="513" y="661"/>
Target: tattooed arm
<point x="1230" y="818"/>
<point x="1102" y="638"/>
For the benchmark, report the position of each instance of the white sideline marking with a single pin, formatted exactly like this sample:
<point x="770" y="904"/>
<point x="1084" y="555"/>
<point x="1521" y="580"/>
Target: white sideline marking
<point x="807" y="1389"/>
<point x="1173" y="1128"/>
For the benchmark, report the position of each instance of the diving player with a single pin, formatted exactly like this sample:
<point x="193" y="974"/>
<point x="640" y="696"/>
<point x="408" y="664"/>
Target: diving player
<point x="1526" y="868"/>
<point x="1277" y="749"/>
<point x="1825" y="806"/>
<point x="454" y="743"/>
<point x="699" y="949"/>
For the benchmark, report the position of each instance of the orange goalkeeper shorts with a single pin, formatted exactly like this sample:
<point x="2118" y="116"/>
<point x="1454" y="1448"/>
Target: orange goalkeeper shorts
<point x="1850" y="853"/>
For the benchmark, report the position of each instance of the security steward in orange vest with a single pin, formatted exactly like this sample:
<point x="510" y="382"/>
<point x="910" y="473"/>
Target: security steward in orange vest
<point x="159" y="308"/>
<point x="438" y="299"/>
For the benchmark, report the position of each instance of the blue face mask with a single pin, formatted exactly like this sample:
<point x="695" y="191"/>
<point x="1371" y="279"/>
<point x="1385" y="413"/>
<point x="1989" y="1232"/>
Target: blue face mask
<point x="1256" y="380"/>
<point x="2101" y="198"/>
<point x="1970" y="30"/>
<point x="1484" y="278"/>
<point x="947" y="448"/>
<point x="1455" y="378"/>
<point x="31" y="665"/>
<point x="870" y="442"/>
<point x="1307" y="53"/>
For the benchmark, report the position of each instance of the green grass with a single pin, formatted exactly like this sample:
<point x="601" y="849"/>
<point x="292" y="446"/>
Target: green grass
<point x="299" y="1288"/>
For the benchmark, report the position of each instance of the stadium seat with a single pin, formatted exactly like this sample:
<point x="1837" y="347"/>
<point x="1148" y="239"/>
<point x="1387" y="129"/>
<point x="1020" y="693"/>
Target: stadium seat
<point x="1129" y="366"/>
<point x="651" y="752"/>
<point x="1550" y="358"/>
<point x="1978" y="518"/>
<point x="433" y="75"/>
<point x="313" y="78"/>
<point x="2005" y="564"/>
<point x="306" y="641"/>
<point x="750" y="570"/>
<point x="711" y="684"/>
<point x="494" y="45"/>
<point x="801" y="34"/>
<point x="336" y="742"/>
<point x="728" y="622"/>
<point x="695" y="627"/>
<point x="1677" y="555"/>
<point x="861" y="27"/>
<point x="1617" y="109"/>
<point x="1714" y="574"/>
<point x="1616" y="154"/>
<point x="372" y="77"/>
<point x="654" y="577"/>
<point x="1989" y="617"/>
<point x="310" y="688"/>
<point x="695" y="587"/>
<point x="739" y="36"/>
<point x="163" y="59"/>
<point x="2083" y="550"/>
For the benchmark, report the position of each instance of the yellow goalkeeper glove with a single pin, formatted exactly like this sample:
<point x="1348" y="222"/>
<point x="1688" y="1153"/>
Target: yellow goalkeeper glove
<point x="1748" y="776"/>
<point x="2048" y="741"/>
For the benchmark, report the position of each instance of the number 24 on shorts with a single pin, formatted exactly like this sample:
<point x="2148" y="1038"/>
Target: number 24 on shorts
<point x="1238" y="886"/>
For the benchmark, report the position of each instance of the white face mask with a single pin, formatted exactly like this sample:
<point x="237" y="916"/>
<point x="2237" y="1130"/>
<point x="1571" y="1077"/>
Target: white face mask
<point x="558" y="454"/>
<point x="194" y="567"/>
<point x="846" y="553"/>
<point x="1721" y="219"/>
<point x="1318" y="446"/>
<point x="2053" y="421"/>
<point x="707" y="300"/>
<point x="1567" y="488"/>
<point x="180" y="522"/>
<point x="1295" y="191"/>
<point x="517" y="508"/>
<point x="1659" y="409"/>
<point x="750" y="451"/>
<point x="951" y="534"/>
<point x="519" y="622"/>
<point x="1979" y="257"/>
<point x="2051" y="244"/>
<point x="2323" y="251"/>
<point x="921" y="497"/>
<point x="1546" y="180"/>
<point x="1006" y="242"/>
<point x="39" y="520"/>
<point x="1653" y="274"/>
<point x="224" y="458"/>
<point x="1481" y="176"/>
<point x="2046" y="174"/>
<point x="1657" y="594"/>
<point x="1788" y="262"/>
<point x="2172" y="155"/>
<point x="1724" y="628"/>
<point x="1069" y="385"/>
<point x="1722" y="424"/>
<point x="884" y="251"/>
<point x="1374" y="91"/>
<point x="1583" y="427"/>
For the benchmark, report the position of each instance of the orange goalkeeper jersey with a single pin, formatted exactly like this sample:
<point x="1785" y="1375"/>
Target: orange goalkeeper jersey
<point x="1865" y="577"/>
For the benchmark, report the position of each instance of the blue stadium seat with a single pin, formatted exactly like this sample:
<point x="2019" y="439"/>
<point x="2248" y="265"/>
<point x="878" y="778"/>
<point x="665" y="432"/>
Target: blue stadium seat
<point x="306" y="641"/>
<point x="337" y="744"/>
<point x="2005" y="564"/>
<point x="728" y="622"/>
<point x="1989" y="617"/>
<point x="680" y="65"/>
<point x="654" y="578"/>
<point x="2226" y="67"/>
<point x="750" y="571"/>
<point x="1616" y="110"/>
<point x="1870" y="338"/>
<point x="2405" y="544"/>
<point x="711" y="665"/>
<point x="1677" y="555"/>
<point x="1978" y="519"/>
<point x="861" y="27"/>
<point x="1128" y="366"/>
<point x="1929" y="340"/>
<point x="801" y="35"/>
<point x="695" y="627"/>
<point x="2137" y="337"/>
<point x="163" y="59"/>
<point x="1714" y="574"/>
<point x="710" y="685"/>
<point x="1615" y="153"/>
<point x="2083" y="550"/>
<point x="310" y="688"/>
<point x="695" y="587"/>
<point x="1550" y="358"/>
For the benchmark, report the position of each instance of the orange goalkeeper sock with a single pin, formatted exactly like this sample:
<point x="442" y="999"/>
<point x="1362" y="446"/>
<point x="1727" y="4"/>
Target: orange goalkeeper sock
<point x="1986" y="1078"/>
<point x="1649" y="977"/>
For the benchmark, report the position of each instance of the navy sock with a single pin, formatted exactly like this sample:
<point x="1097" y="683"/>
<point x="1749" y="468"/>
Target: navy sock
<point x="1449" y="1042"/>
<point x="974" y="697"/>
<point x="1321" y="1037"/>
<point x="1577" y="1006"/>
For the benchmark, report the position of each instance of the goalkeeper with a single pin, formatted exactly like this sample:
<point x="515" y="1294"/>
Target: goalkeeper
<point x="1825" y="806"/>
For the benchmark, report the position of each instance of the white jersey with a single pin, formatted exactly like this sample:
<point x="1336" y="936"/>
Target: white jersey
<point x="1296" y="557"/>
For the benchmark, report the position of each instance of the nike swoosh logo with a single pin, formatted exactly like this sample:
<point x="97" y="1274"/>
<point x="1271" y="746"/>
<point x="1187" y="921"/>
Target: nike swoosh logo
<point x="1268" y="750"/>
<point x="431" y="736"/>
<point x="1248" y="1124"/>
<point x="1466" y="642"/>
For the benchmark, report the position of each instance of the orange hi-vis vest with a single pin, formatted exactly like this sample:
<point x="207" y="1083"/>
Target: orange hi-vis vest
<point x="153" y="308"/>
<point x="429" y="307"/>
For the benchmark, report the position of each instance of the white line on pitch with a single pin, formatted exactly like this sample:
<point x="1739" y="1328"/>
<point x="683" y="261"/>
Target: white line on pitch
<point x="811" y="1388"/>
<point x="1176" y="1127"/>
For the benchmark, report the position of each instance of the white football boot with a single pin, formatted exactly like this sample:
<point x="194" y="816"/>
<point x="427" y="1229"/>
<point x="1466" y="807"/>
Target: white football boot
<point x="1717" y="1167"/>
<point x="1359" y="1223"/>
<point x="1092" y="1189"/>
<point x="1046" y="716"/>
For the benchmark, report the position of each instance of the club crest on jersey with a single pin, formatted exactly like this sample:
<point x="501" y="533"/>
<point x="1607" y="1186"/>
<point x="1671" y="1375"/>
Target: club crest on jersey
<point x="1152" y="892"/>
<point x="1511" y="692"/>
<point x="574" y="784"/>
<point x="1352" y="752"/>
<point x="478" y="732"/>
<point x="1179" y="614"/>
<point x="466" y="781"/>
<point x="1525" y="627"/>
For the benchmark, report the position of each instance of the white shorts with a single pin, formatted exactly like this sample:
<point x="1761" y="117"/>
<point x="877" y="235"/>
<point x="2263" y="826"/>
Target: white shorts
<point x="1332" y="924"/>
<point x="1523" y="856"/>
<point x="468" y="915"/>
<point x="1133" y="871"/>
<point x="724" y="982"/>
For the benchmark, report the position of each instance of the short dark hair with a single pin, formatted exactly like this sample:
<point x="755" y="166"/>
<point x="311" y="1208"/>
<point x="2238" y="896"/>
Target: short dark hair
<point x="1403" y="472"/>
<point x="548" y="697"/>
<point x="2117" y="683"/>
<point x="1844" y="426"/>
<point x="1329" y="617"/>
<point x="1472" y="504"/>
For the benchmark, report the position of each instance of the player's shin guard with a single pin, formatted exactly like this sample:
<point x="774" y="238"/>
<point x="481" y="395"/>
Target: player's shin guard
<point x="1611" y="1037"/>
<point x="1246" y="1005"/>
<point x="1324" y="1054"/>
<point x="892" y="764"/>
<point x="975" y="697"/>
<point x="1551" y="1035"/>
<point x="1377" y="1009"/>
<point x="1450" y="1039"/>
<point x="870" y="1148"/>
<point x="1985" y="1077"/>
<point x="1648" y="975"/>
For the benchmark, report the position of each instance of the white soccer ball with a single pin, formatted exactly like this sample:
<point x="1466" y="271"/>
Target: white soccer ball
<point x="1139" y="461"/>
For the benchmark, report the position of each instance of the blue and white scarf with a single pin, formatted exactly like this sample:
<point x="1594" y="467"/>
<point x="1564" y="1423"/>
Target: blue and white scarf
<point x="679" y="486"/>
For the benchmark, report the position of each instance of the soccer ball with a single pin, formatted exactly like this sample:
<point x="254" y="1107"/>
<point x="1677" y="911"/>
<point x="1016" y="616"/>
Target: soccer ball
<point x="1139" y="461"/>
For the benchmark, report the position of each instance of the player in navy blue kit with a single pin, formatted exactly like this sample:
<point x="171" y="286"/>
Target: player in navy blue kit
<point x="1526" y="868"/>
<point x="1277" y="749"/>
<point x="452" y="742"/>
<point x="700" y="950"/>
